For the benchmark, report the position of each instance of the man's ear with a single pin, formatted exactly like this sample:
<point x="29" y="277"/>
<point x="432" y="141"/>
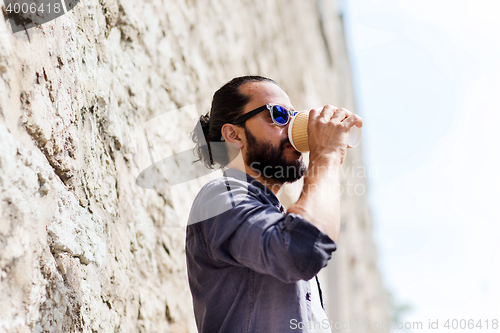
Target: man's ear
<point x="232" y="134"/>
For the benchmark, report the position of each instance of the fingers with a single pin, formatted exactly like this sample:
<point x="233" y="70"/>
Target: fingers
<point x="347" y="118"/>
<point x="328" y="111"/>
<point x="340" y="115"/>
<point x="353" y="120"/>
<point x="314" y="114"/>
<point x="336" y="115"/>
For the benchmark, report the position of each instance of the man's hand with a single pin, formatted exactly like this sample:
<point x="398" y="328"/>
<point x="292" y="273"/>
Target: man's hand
<point x="328" y="131"/>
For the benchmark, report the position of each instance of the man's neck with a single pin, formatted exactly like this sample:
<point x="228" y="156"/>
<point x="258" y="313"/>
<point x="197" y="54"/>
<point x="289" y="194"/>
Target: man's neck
<point x="272" y="184"/>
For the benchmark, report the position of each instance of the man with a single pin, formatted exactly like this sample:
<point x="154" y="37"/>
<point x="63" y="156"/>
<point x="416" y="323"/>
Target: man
<point x="251" y="265"/>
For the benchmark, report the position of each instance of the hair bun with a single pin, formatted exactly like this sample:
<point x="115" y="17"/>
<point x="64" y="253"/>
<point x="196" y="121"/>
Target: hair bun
<point x="205" y="124"/>
<point x="203" y="142"/>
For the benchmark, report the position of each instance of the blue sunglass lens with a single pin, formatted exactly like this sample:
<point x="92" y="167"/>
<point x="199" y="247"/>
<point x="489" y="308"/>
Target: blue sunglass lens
<point x="280" y="114"/>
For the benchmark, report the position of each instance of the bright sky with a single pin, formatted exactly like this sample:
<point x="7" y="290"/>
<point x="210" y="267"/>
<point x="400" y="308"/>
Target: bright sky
<point x="427" y="82"/>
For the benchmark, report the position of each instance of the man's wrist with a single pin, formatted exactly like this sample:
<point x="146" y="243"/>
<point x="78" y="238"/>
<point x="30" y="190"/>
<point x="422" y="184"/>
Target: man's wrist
<point x="321" y="168"/>
<point x="330" y="159"/>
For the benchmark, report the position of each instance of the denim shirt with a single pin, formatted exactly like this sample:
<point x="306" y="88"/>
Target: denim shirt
<point x="249" y="263"/>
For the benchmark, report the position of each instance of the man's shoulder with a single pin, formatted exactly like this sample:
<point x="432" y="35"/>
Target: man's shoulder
<point x="220" y="186"/>
<point x="220" y="195"/>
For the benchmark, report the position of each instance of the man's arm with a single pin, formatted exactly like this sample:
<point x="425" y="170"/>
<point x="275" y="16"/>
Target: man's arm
<point x="319" y="202"/>
<point x="255" y="234"/>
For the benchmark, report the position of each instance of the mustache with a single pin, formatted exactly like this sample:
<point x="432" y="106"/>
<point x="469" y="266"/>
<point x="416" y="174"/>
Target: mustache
<point x="284" y="142"/>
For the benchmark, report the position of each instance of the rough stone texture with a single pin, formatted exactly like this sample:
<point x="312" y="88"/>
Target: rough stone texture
<point x="82" y="247"/>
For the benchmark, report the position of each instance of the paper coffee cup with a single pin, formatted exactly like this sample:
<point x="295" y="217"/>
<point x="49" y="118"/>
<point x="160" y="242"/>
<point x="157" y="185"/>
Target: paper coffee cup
<point x="297" y="133"/>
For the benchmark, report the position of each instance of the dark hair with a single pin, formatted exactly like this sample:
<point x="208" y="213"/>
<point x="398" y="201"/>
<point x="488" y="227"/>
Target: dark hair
<point x="227" y="105"/>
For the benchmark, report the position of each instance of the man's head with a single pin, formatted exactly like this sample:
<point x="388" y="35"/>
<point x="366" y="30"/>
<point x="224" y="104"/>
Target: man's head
<point x="264" y="144"/>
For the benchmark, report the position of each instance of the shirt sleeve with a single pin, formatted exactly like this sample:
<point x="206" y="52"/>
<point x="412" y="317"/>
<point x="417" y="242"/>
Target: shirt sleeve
<point x="258" y="236"/>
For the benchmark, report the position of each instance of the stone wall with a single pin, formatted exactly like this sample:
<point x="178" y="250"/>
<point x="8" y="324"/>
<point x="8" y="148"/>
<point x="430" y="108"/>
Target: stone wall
<point x="82" y="247"/>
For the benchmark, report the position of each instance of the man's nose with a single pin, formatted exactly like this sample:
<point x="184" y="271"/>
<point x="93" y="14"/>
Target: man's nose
<point x="285" y="131"/>
<point x="289" y="122"/>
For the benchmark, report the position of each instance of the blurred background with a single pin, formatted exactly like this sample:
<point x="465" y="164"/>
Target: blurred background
<point x="426" y="81"/>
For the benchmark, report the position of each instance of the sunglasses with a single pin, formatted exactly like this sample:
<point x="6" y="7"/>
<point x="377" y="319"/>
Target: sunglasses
<point x="280" y="115"/>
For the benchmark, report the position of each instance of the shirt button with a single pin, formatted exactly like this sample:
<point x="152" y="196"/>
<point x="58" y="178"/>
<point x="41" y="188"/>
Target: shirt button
<point x="308" y="296"/>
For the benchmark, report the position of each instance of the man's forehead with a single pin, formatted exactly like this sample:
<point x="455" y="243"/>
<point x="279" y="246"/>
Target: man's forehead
<point x="264" y="92"/>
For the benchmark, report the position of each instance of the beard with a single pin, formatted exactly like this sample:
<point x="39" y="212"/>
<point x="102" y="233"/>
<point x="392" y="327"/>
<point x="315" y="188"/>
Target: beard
<point x="271" y="162"/>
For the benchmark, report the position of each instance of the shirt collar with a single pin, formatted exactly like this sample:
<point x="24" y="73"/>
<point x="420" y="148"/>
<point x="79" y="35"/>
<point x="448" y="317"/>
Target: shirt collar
<point x="231" y="172"/>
